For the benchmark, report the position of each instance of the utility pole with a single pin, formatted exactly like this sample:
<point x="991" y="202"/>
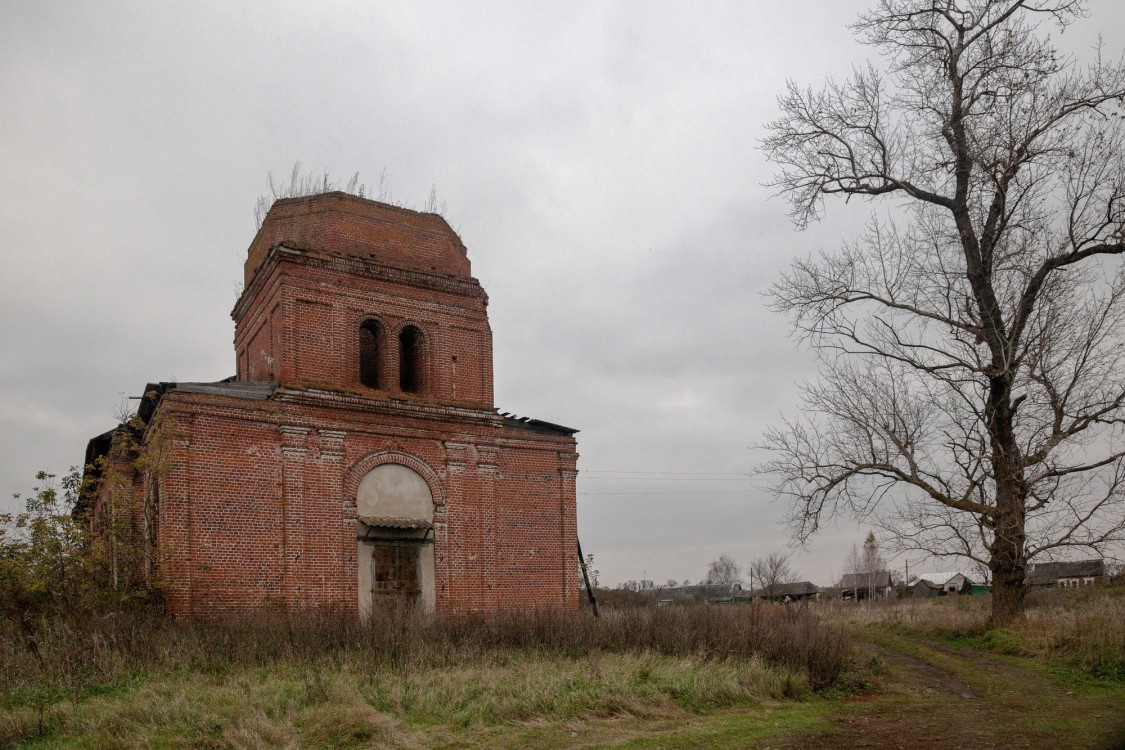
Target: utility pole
<point x="586" y="578"/>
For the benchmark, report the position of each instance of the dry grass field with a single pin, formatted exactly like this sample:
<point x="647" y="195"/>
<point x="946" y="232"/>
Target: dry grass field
<point x="1082" y="627"/>
<point x="937" y="677"/>
<point x="524" y="680"/>
<point x="903" y="674"/>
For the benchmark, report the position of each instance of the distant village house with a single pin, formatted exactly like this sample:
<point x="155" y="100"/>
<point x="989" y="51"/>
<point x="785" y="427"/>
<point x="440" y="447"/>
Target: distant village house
<point x="944" y="583"/>
<point x="1065" y="575"/>
<point x="864" y="586"/>
<point x="782" y="592"/>
<point x="699" y="593"/>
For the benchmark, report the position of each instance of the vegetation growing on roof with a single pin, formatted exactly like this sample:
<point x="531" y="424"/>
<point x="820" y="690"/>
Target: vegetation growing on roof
<point x="301" y="184"/>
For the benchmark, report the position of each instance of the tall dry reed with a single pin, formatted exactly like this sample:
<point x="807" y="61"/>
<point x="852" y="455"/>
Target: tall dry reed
<point x="96" y="653"/>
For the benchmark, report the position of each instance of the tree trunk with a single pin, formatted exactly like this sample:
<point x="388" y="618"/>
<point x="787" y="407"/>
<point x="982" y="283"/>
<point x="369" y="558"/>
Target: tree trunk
<point x="1008" y="561"/>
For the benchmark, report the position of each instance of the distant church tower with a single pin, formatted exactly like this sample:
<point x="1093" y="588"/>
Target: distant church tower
<point x="356" y="461"/>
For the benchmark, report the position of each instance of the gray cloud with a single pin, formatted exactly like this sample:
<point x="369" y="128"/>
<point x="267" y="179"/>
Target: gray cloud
<point x="599" y="160"/>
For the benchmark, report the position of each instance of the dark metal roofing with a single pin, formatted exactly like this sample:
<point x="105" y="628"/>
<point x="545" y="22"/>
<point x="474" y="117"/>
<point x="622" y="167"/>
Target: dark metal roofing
<point x="798" y="588"/>
<point x="536" y="425"/>
<point x="230" y="387"/>
<point x="1050" y="572"/>
<point x="257" y="391"/>
<point x="98" y="447"/>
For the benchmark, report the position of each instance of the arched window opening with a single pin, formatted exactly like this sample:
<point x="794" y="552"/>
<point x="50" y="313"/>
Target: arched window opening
<point x="369" y="354"/>
<point x="410" y="360"/>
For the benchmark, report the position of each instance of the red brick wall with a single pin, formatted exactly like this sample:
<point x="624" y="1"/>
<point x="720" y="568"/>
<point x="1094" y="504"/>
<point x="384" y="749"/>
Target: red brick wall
<point x="258" y="506"/>
<point x="300" y="323"/>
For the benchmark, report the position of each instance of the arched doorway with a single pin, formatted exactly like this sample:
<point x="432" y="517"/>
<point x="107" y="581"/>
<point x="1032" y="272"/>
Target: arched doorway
<point x="395" y="541"/>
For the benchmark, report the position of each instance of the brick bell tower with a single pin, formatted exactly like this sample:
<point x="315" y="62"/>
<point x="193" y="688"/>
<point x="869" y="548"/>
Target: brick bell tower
<point x="343" y="292"/>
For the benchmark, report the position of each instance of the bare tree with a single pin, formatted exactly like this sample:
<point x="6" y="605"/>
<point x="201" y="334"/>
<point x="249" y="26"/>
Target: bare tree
<point x="724" y="570"/>
<point x="853" y="567"/>
<point x="873" y="563"/>
<point x="972" y="390"/>
<point x="862" y="568"/>
<point x="770" y="571"/>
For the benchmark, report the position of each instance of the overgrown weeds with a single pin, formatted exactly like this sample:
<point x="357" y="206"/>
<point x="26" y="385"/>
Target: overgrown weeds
<point x="323" y="673"/>
<point x="91" y="653"/>
<point x="85" y="650"/>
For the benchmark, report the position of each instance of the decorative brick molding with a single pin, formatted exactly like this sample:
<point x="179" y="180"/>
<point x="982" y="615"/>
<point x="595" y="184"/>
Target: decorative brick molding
<point x="363" y="466"/>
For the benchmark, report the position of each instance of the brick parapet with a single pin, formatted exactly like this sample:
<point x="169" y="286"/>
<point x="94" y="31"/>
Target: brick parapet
<point x="392" y="235"/>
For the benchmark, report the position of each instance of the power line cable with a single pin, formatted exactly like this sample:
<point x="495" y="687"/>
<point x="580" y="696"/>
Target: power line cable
<point x="676" y="473"/>
<point x="671" y="479"/>
<point x="675" y="492"/>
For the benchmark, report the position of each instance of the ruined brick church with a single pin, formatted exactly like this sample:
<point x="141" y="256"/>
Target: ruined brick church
<point x="356" y="460"/>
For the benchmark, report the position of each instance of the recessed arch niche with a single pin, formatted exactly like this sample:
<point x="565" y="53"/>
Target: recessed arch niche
<point x="395" y="550"/>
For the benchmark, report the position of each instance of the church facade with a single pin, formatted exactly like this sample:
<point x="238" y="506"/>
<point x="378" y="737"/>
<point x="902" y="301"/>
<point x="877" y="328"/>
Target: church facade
<point x="356" y="460"/>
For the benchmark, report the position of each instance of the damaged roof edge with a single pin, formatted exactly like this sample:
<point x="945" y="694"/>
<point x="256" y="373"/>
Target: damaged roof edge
<point x="256" y="391"/>
<point x="536" y="425"/>
<point x="100" y="445"/>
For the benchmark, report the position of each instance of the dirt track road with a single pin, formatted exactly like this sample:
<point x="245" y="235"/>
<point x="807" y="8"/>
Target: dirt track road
<point x="931" y="695"/>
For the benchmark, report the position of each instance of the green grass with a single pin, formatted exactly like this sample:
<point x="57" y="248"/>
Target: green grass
<point x="1079" y="661"/>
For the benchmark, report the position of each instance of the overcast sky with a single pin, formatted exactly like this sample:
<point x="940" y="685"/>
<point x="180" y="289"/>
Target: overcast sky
<point x="600" y="161"/>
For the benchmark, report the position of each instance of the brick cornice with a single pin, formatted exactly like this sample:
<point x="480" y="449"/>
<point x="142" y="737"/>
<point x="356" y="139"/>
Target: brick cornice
<point x="352" y="265"/>
<point x="388" y="406"/>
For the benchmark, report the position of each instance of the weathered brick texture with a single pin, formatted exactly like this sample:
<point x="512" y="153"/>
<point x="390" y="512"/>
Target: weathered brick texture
<point x="257" y="497"/>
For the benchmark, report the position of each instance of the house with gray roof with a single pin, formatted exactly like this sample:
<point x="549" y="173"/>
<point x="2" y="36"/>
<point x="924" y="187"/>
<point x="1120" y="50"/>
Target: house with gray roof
<point x="860" y="586"/>
<point x="1073" y="574"/>
<point x="950" y="581"/>
<point x="780" y="592"/>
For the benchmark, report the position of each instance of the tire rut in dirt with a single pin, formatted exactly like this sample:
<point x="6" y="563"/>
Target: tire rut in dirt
<point x="923" y="672"/>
